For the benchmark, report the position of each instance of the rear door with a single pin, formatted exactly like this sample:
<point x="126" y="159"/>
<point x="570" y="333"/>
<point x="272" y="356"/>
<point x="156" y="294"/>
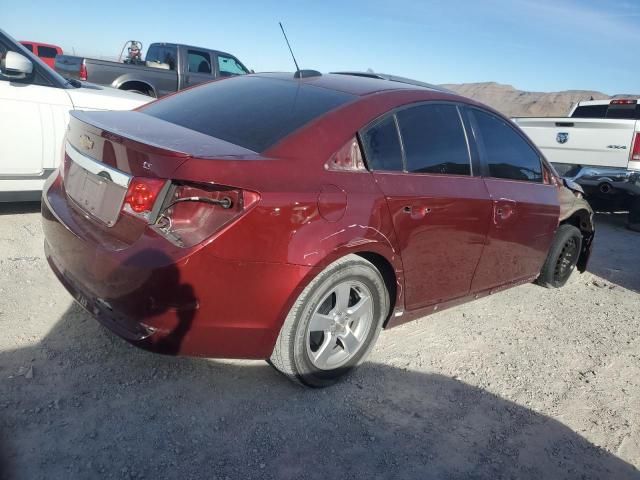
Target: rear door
<point x="199" y="67"/>
<point x="421" y="160"/>
<point x="525" y="209"/>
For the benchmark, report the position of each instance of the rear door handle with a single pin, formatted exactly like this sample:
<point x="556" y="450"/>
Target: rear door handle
<point x="416" y="211"/>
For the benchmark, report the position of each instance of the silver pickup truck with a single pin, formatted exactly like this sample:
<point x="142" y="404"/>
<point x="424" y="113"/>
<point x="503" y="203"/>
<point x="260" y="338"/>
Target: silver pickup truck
<point x="596" y="146"/>
<point x="168" y="67"/>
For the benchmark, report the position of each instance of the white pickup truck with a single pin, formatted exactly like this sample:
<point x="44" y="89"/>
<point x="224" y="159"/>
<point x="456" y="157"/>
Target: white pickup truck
<point x="598" y="147"/>
<point x="34" y="114"/>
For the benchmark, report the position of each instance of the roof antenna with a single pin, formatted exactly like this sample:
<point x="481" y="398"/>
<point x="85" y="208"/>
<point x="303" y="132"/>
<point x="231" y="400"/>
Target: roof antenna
<point x="288" y="45"/>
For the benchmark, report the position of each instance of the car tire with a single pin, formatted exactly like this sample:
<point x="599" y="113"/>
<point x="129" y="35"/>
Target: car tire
<point x="633" y="222"/>
<point x="562" y="257"/>
<point x="333" y="324"/>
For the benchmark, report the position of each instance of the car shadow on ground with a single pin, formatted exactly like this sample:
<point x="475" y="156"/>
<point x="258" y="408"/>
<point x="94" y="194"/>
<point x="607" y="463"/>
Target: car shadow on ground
<point x="94" y="406"/>
<point x="612" y="258"/>
<point x="19" y="208"/>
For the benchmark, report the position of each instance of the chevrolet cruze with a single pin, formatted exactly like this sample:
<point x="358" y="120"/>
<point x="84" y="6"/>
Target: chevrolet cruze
<point x="293" y="217"/>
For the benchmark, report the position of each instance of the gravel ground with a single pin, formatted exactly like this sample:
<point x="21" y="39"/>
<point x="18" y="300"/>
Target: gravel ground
<point x="529" y="383"/>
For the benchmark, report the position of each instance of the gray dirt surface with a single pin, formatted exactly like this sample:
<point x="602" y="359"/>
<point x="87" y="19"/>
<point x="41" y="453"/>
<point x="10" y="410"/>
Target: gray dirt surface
<point x="528" y="383"/>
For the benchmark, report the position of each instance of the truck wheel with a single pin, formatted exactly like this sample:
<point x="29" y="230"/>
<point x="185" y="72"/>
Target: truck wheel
<point x="333" y="324"/>
<point x="562" y="257"/>
<point x="634" y="215"/>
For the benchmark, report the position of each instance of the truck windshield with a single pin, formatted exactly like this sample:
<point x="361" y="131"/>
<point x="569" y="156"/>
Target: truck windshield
<point x="250" y="111"/>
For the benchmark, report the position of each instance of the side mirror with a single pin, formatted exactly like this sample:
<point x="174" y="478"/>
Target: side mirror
<point x="15" y="65"/>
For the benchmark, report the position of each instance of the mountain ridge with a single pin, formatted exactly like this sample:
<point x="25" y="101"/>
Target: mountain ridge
<point x="521" y="103"/>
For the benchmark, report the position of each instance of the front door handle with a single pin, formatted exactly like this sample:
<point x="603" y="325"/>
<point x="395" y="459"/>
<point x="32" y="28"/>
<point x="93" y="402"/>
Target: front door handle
<point x="503" y="210"/>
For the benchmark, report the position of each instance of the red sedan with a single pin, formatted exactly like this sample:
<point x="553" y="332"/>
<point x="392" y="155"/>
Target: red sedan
<point x="291" y="219"/>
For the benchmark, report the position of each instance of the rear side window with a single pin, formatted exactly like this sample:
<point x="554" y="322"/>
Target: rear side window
<point x="199" y="62"/>
<point x="434" y="140"/>
<point x="162" y="55"/>
<point x="590" y="111"/>
<point x="47" y="52"/>
<point x="229" y="66"/>
<point x="381" y="145"/>
<point x="507" y="154"/>
<point x="28" y="46"/>
<point x="253" y="112"/>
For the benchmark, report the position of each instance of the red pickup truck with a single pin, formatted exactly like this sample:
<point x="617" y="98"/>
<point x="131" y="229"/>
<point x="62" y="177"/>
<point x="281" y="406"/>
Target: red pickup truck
<point x="45" y="51"/>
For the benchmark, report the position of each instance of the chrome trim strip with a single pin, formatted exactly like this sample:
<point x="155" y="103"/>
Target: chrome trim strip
<point x="95" y="167"/>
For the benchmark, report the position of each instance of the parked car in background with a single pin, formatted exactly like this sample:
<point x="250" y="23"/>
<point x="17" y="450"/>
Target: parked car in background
<point x="168" y="67"/>
<point x="291" y="219"/>
<point x="35" y="103"/>
<point x="597" y="146"/>
<point x="45" y="51"/>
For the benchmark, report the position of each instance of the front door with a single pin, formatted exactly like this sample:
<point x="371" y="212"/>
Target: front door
<point x="440" y="211"/>
<point x="525" y="209"/>
<point x="33" y="122"/>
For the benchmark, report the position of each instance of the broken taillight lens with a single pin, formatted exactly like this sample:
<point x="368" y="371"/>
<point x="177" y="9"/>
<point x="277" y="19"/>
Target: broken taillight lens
<point x="142" y="195"/>
<point x="191" y="213"/>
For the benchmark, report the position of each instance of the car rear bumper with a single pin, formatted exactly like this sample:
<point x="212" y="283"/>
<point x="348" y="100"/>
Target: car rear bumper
<point x="167" y="299"/>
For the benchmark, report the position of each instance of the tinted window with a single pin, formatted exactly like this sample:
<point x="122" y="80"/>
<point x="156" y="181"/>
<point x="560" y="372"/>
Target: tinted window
<point x="229" y="66"/>
<point x="628" y="112"/>
<point x="47" y="52"/>
<point x="590" y="111"/>
<point x="434" y="140"/>
<point x="253" y="112"/>
<point x="162" y="54"/>
<point x="28" y="46"/>
<point x="507" y="153"/>
<point x="382" y="146"/>
<point x="199" y="62"/>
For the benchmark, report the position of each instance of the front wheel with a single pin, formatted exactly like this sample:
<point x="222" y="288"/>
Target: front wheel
<point x="333" y="324"/>
<point x="562" y="258"/>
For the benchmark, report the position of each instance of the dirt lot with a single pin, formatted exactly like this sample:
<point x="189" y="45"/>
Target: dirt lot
<point x="530" y="383"/>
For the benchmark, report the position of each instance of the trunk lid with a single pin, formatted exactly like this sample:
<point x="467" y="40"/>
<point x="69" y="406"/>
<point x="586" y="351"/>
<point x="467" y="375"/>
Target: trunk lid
<point x="105" y="151"/>
<point x="581" y="141"/>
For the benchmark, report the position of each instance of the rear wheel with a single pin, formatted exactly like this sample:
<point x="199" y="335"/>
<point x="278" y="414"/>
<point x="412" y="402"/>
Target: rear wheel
<point x="634" y="215"/>
<point x="333" y="324"/>
<point x="562" y="258"/>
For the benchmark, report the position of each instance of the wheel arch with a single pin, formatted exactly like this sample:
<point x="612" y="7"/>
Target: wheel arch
<point x="582" y="219"/>
<point x="134" y="84"/>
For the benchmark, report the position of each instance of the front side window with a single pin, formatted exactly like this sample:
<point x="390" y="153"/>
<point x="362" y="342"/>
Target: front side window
<point x="434" y="140"/>
<point x="199" y="62"/>
<point x="229" y="66"/>
<point x="507" y="154"/>
<point x="381" y="145"/>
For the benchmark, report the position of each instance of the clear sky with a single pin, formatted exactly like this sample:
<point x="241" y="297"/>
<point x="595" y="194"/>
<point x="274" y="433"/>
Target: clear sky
<point x="541" y="45"/>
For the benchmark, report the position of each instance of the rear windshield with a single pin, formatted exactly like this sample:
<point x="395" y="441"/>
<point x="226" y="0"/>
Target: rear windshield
<point x="623" y="111"/>
<point x="253" y="112"/>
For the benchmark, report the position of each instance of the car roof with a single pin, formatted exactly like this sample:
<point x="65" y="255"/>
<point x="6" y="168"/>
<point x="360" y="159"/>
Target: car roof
<point x="395" y="78"/>
<point x="356" y="83"/>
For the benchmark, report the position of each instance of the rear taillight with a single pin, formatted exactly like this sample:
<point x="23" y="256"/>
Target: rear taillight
<point x="635" y="151"/>
<point x="142" y="195"/>
<point x="191" y="213"/>
<point x="83" y="70"/>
